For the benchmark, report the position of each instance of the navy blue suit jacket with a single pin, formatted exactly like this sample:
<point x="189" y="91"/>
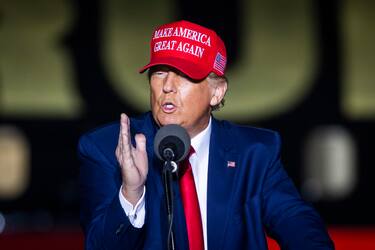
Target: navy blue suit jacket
<point x="243" y="202"/>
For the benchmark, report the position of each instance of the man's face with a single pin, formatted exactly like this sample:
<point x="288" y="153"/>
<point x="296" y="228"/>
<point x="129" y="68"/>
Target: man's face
<point x="176" y="99"/>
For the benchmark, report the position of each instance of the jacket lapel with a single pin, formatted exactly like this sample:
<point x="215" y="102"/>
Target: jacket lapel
<point x="221" y="172"/>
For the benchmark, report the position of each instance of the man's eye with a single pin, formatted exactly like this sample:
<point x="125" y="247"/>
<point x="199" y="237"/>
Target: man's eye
<point x="160" y="73"/>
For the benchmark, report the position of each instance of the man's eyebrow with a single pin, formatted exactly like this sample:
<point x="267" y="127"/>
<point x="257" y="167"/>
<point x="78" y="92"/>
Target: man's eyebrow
<point x="160" y="68"/>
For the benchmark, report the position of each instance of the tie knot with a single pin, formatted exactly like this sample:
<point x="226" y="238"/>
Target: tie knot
<point x="185" y="164"/>
<point x="191" y="152"/>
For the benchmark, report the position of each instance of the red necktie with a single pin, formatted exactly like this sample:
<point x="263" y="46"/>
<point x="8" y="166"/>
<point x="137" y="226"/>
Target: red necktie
<point x="191" y="205"/>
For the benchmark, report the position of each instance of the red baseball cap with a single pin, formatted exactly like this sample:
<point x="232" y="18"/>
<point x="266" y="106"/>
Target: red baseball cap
<point x="193" y="49"/>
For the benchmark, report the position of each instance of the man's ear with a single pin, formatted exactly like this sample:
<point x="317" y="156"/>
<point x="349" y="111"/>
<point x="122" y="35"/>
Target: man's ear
<point x="219" y="90"/>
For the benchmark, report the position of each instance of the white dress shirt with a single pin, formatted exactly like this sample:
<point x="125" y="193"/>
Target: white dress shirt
<point x="199" y="164"/>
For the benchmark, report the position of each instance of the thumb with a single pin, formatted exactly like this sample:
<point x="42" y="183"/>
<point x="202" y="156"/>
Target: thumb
<point x="140" y="141"/>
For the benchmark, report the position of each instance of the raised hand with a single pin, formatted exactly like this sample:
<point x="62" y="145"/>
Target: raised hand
<point x="133" y="161"/>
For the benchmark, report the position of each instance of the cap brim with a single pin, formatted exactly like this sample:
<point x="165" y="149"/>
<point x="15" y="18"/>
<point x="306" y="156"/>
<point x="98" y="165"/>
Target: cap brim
<point x="192" y="70"/>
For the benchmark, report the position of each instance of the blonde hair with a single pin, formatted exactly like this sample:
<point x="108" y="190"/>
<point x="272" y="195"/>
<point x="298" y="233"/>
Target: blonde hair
<point x="218" y="80"/>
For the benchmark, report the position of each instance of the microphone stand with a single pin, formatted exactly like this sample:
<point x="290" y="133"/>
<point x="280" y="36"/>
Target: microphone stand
<point x="169" y="167"/>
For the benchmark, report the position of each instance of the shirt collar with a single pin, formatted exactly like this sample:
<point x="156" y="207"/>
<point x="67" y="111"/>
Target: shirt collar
<point x="201" y="141"/>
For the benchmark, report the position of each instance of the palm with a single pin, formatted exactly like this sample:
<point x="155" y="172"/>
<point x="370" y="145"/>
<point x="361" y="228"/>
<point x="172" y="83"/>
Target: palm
<point x="135" y="174"/>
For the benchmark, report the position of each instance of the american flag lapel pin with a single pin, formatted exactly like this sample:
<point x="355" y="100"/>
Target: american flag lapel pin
<point x="231" y="164"/>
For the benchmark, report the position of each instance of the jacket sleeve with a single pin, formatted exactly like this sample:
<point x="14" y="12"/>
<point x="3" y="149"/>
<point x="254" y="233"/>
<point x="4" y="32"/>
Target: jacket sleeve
<point x="103" y="220"/>
<point x="288" y="218"/>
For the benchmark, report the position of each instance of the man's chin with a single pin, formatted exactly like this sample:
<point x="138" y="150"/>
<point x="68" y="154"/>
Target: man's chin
<point x="169" y="122"/>
<point x="167" y="119"/>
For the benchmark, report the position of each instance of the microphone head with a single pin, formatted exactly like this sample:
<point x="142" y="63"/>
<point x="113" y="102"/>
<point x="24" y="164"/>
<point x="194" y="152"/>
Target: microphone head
<point x="174" y="139"/>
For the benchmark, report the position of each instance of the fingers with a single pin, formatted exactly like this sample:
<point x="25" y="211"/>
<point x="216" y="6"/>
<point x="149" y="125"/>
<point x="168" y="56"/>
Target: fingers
<point x="124" y="143"/>
<point x="119" y="144"/>
<point x="140" y="141"/>
<point x="126" y="153"/>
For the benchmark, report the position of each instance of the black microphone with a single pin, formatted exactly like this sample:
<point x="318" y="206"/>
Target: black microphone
<point x="171" y="143"/>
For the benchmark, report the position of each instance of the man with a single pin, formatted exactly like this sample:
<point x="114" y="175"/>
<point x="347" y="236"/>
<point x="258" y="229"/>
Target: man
<point x="240" y="188"/>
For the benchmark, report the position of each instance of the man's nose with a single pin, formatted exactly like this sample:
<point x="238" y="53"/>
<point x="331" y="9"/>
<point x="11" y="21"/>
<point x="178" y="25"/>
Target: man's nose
<point x="170" y="82"/>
